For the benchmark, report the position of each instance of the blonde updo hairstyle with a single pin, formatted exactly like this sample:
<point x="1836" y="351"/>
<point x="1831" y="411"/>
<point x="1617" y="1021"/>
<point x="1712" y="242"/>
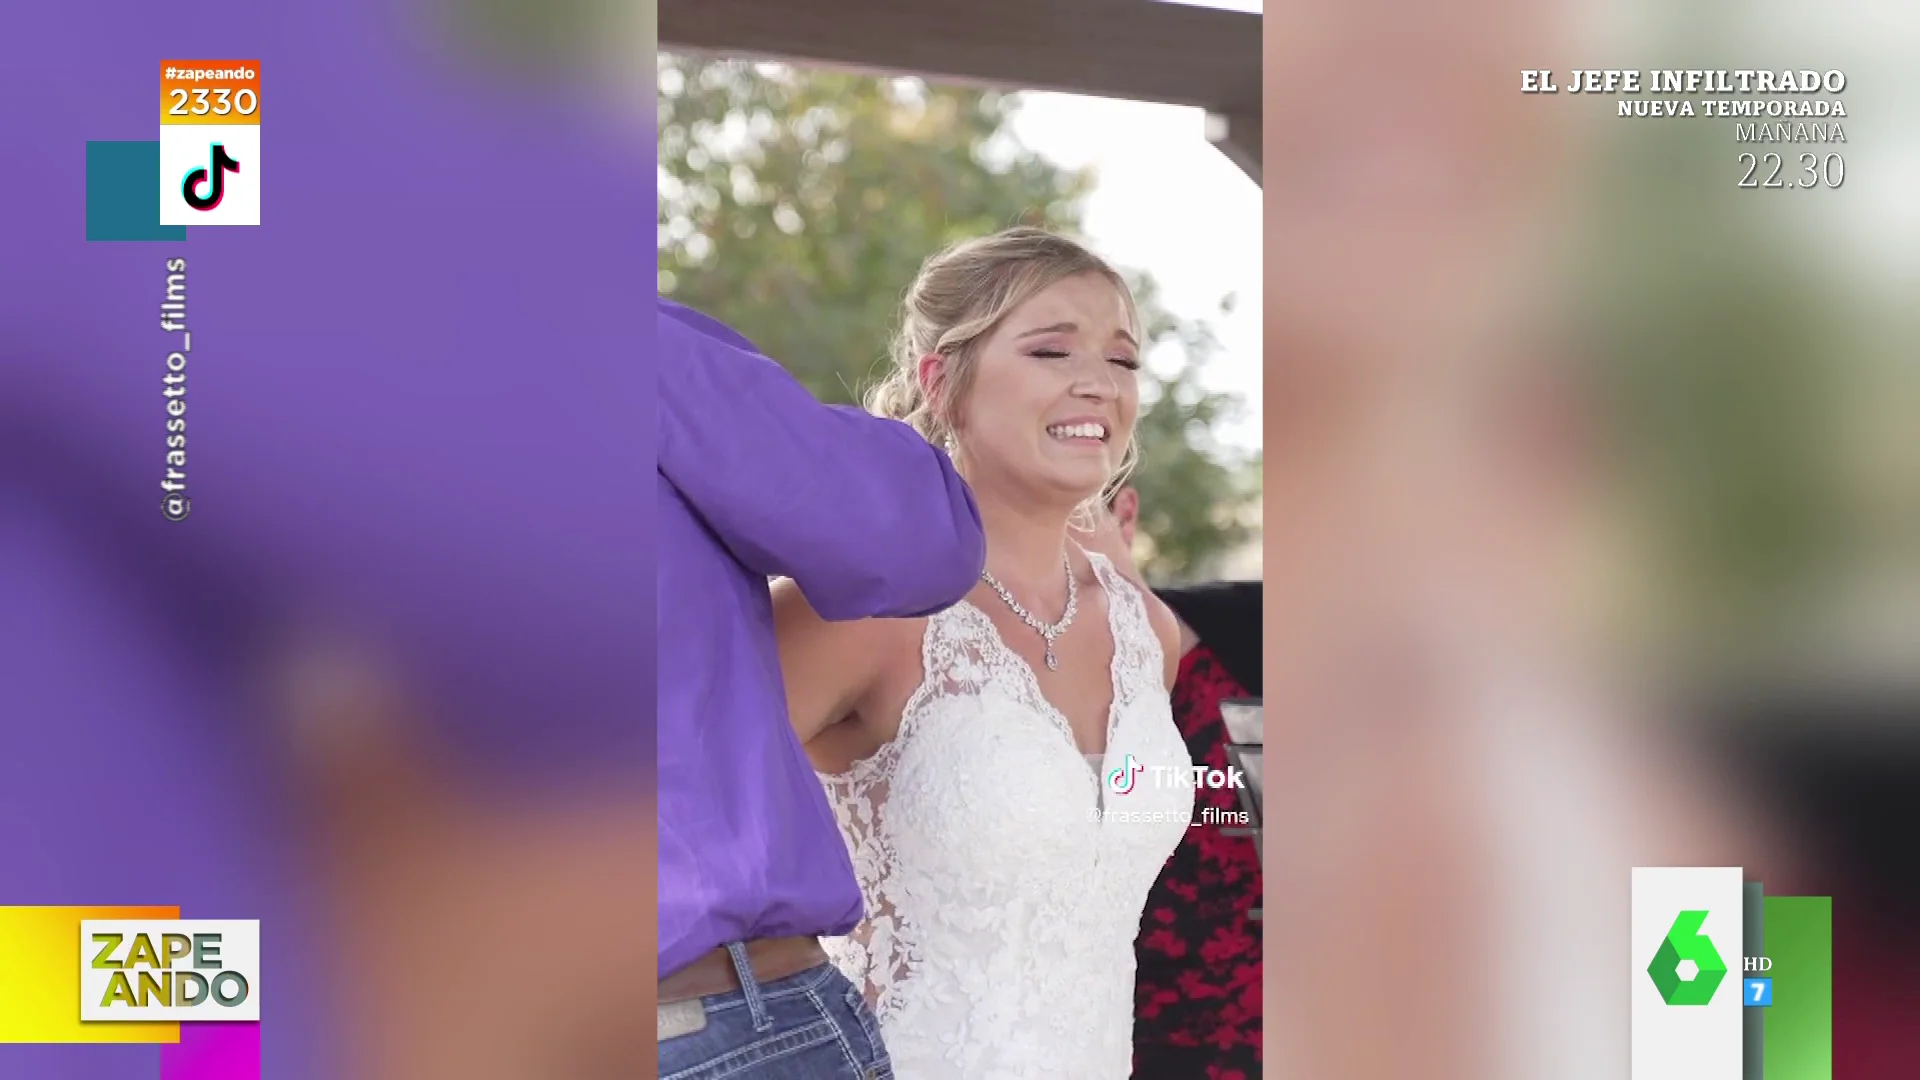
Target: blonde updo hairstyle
<point x="959" y="298"/>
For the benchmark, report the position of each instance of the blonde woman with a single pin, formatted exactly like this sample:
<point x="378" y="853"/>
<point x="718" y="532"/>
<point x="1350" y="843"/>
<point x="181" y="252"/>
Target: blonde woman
<point x="1007" y="773"/>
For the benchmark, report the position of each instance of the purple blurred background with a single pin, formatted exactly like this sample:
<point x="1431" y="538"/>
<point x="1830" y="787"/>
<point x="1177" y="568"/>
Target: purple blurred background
<point x="389" y="688"/>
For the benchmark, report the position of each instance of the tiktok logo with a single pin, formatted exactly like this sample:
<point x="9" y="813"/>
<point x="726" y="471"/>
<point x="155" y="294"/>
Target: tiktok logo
<point x="1122" y="779"/>
<point x="215" y="180"/>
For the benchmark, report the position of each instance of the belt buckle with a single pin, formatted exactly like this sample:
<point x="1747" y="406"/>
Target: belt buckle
<point x="679" y="1018"/>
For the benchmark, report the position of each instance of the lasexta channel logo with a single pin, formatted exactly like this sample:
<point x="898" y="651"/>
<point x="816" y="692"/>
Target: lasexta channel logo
<point x="1687" y="969"/>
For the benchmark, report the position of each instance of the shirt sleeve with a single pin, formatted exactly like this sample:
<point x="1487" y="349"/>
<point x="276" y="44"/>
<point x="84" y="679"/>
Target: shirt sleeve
<point x="863" y="513"/>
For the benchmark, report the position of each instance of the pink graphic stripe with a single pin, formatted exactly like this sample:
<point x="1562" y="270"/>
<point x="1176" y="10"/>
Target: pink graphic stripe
<point x="223" y="1051"/>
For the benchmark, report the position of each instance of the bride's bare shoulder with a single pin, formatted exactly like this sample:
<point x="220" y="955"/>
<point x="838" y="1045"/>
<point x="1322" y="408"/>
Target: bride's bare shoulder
<point x="796" y="620"/>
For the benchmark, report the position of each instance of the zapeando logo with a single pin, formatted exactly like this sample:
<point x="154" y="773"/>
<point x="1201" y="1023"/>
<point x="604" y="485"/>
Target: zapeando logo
<point x="1686" y="946"/>
<point x="214" y="177"/>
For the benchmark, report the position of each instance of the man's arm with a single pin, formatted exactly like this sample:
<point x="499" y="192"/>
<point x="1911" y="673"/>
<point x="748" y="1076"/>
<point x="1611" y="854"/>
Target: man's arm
<point x="1106" y="539"/>
<point x="863" y="514"/>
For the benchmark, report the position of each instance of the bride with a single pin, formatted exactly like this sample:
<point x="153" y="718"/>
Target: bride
<point x="1006" y="773"/>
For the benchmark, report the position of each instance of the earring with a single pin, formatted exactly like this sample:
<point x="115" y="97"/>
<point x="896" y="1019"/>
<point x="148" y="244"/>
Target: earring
<point x="953" y="446"/>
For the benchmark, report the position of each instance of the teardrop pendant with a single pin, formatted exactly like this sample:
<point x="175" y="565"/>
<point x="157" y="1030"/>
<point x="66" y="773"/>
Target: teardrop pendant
<point x="1052" y="663"/>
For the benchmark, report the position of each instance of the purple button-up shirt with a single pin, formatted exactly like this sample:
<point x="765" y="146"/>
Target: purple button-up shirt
<point x="757" y="479"/>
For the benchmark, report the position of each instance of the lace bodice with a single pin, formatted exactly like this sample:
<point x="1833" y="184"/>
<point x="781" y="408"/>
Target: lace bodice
<point x="1002" y="902"/>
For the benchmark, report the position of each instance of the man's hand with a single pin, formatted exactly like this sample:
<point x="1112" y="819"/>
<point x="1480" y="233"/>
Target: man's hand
<point x="1105" y="536"/>
<point x="1111" y="534"/>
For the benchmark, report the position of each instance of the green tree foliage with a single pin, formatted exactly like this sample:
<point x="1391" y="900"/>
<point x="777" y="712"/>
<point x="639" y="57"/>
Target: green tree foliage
<point x="1721" y="359"/>
<point x="550" y="41"/>
<point x="797" y="205"/>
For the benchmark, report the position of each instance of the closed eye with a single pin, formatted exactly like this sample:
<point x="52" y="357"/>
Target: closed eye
<point x="1127" y="362"/>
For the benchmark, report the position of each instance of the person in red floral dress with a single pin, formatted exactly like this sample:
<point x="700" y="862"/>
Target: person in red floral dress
<point x="1197" y="987"/>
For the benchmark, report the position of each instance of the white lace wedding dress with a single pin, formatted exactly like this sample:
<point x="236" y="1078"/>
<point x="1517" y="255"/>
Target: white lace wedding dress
<point x="1002" y="904"/>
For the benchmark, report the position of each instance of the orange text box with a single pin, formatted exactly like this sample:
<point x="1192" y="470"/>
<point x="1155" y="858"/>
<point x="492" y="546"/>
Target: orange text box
<point x="210" y="92"/>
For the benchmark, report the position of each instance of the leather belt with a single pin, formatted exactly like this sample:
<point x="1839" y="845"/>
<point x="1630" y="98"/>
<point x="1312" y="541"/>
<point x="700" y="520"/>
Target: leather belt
<point x="770" y="959"/>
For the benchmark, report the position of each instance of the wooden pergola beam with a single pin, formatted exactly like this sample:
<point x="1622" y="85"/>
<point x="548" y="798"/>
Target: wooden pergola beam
<point x="1238" y="136"/>
<point x="1141" y="50"/>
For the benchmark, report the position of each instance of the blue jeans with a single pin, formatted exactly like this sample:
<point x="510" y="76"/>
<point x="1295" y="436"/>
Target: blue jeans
<point x="810" y="1026"/>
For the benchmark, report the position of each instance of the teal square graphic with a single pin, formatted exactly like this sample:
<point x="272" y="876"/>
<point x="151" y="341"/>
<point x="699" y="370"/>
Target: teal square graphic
<point x="123" y="193"/>
<point x="1759" y="993"/>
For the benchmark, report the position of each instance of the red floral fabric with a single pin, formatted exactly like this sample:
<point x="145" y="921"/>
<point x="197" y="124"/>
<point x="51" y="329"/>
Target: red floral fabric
<point x="1197" y="991"/>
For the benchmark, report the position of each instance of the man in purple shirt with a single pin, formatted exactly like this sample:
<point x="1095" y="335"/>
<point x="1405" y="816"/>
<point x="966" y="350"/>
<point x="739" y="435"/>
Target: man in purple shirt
<point x="759" y="480"/>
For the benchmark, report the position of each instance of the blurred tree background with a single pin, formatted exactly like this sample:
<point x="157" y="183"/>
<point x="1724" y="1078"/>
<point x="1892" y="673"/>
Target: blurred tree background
<point x="797" y="206"/>
<point x="1759" y="398"/>
<point x="610" y="42"/>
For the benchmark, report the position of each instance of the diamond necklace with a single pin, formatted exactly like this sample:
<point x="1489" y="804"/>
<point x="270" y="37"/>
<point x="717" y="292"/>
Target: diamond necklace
<point x="1045" y="630"/>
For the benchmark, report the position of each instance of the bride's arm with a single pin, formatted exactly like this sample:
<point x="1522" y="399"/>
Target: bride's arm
<point x="829" y="668"/>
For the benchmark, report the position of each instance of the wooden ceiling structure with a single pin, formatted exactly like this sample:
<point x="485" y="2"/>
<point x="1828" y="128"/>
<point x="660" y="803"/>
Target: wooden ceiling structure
<point x="1141" y="50"/>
